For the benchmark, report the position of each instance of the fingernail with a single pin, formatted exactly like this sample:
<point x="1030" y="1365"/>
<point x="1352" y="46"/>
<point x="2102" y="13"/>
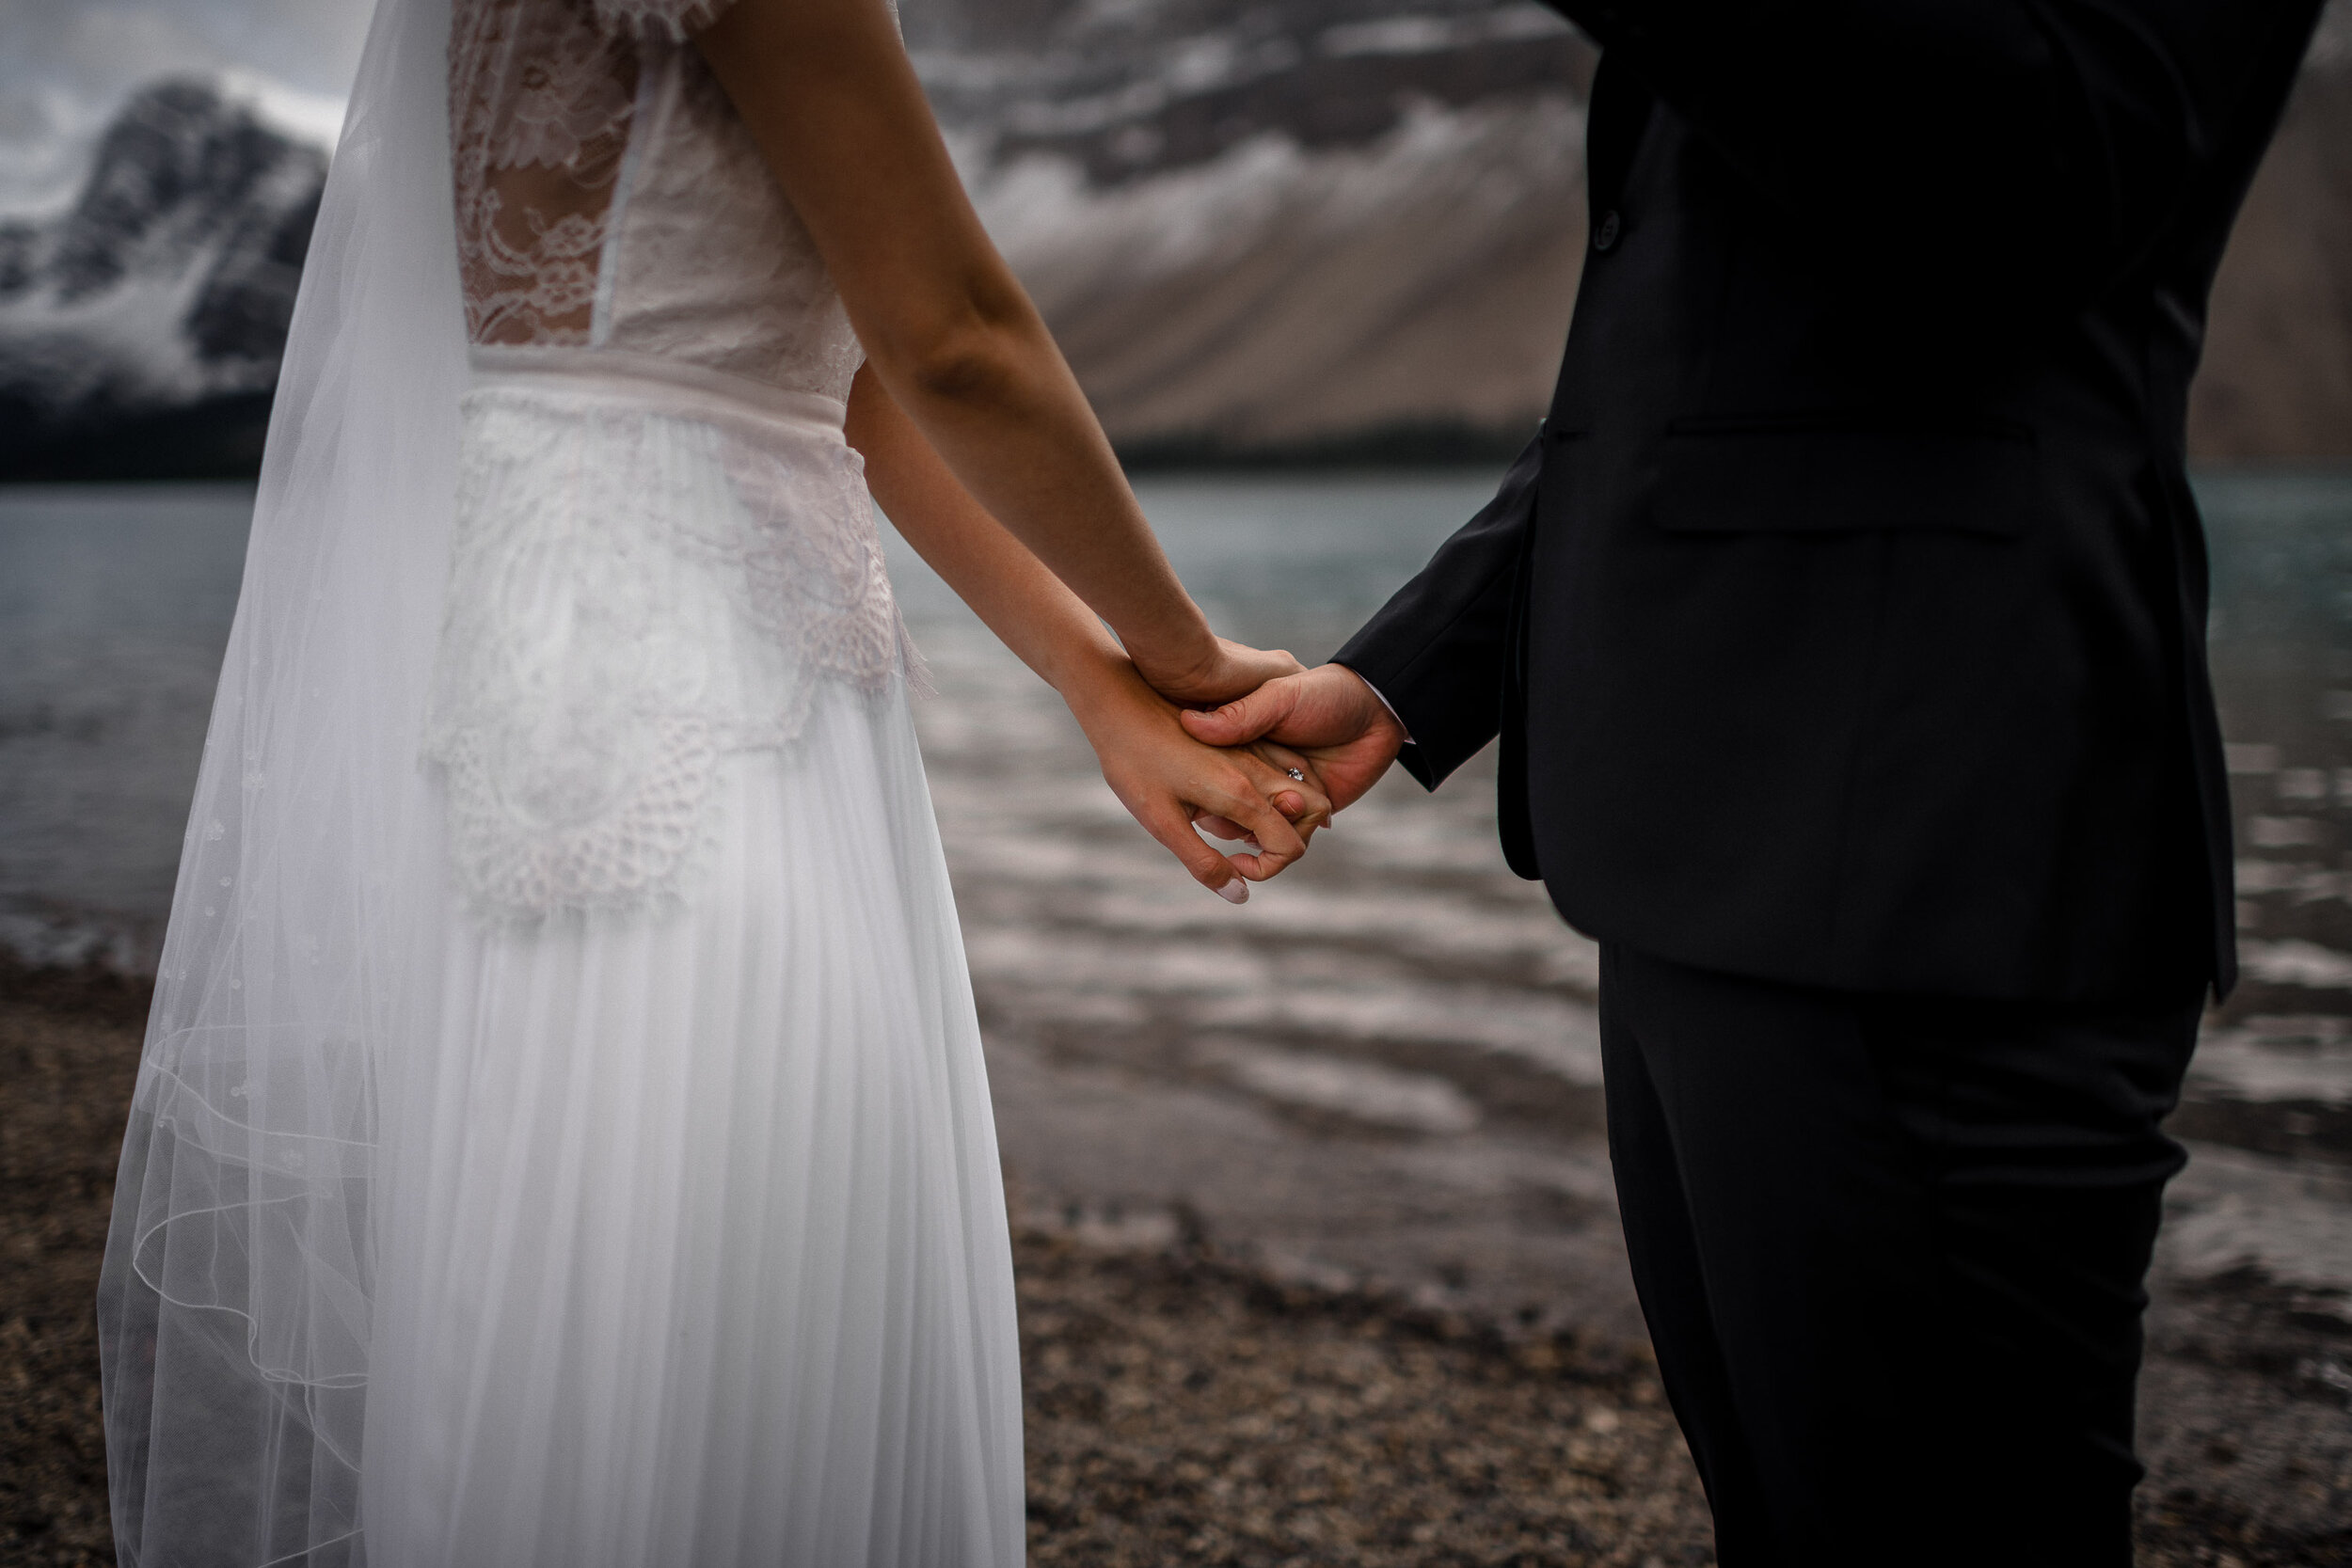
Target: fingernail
<point x="1234" y="891"/>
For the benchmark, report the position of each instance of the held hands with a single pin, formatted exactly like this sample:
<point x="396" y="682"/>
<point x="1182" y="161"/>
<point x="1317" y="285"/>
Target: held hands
<point x="1270" y="767"/>
<point x="1169" y="780"/>
<point x="1328" y="716"/>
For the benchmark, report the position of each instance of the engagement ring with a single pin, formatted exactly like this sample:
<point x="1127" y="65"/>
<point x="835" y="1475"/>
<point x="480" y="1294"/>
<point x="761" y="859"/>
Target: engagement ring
<point x="1295" y="774"/>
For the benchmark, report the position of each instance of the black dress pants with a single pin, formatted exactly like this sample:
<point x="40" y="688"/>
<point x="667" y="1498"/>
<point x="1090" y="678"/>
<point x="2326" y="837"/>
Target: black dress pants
<point x="1892" y="1252"/>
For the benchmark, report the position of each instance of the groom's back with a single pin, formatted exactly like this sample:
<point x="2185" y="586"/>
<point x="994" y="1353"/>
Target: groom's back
<point x="1865" y="597"/>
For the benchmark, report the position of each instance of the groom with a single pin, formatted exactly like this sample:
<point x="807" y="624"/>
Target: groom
<point x="1844" y="629"/>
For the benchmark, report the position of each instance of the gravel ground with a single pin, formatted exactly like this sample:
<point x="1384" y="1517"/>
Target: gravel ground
<point x="1181" y="1411"/>
<point x="1183" y="1407"/>
<point x="66" y="1056"/>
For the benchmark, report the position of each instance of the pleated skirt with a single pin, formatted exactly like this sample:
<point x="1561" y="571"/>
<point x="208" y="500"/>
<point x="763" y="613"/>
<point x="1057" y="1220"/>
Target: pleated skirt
<point x="695" y="1252"/>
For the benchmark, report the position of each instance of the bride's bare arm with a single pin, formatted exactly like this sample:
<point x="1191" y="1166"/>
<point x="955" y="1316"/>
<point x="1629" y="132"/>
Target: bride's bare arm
<point x="827" y="92"/>
<point x="1163" y="775"/>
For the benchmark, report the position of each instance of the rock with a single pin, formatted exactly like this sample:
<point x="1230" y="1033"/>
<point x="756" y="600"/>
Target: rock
<point x="1285" y="228"/>
<point x="1297" y="228"/>
<point x="140" y="331"/>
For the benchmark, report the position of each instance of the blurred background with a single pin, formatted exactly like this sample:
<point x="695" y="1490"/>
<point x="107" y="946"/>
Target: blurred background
<point x="1314" y="259"/>
<point x="1261" y="227"/>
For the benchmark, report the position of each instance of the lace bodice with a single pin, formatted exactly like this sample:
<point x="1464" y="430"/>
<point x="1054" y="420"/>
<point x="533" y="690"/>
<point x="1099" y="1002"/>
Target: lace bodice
<point x="662" y="546"/>
<point x="607" y="196"/>
<point x="648" y="573"/>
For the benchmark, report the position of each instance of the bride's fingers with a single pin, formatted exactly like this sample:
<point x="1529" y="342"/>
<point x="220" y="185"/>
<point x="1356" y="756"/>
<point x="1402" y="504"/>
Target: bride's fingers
<point x="1171" y="824"/>
<point x="1302" y="801"/>
<point x="1299" y="770"/>
<point x="1279" y="842"/>
<point x="1219" y="827"/>
<point x="1259" y="864"/>
<point x="1269" y="833"/>
<point x="1234" y="795"/>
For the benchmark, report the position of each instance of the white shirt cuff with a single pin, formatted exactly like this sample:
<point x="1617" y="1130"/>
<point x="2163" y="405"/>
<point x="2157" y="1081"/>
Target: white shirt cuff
<point x="1384" y="703"/>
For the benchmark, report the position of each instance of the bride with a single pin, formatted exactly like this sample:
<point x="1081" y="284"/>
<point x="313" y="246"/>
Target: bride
<point x="562" y="1137"/>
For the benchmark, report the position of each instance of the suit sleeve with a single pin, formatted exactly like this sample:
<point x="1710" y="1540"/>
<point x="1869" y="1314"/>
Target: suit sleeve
<point x="2015" y="147"/>
<point x="1438" y="651"/>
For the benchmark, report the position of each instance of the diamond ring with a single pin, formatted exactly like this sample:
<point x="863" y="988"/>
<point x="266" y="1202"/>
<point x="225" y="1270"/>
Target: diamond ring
<point x="1295" y="774"/>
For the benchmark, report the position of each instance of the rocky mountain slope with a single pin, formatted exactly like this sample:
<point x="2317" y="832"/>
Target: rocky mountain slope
<point x="140" y="329"/>
<point x="1261" y="227"/>
<point x="1289" y="224"/>
<point x="2277" y="381"/>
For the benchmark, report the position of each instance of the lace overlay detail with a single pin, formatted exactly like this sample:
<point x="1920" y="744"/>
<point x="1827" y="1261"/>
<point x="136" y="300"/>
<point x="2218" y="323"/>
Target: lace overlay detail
<point x="608" y="196"/>
<point x="634" y="594"/>
<point x="711" y="264"/>
<point x="540" y="105"/>
<point x="648" y="573"/>
<point x="673" y="19"/>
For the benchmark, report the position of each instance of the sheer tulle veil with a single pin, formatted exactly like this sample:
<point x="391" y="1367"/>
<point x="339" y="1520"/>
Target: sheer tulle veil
<point x="298" y="983"/>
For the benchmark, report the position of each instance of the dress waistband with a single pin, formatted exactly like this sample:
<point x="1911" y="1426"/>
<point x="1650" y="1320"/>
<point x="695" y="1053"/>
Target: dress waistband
<point x="663" y="385"/>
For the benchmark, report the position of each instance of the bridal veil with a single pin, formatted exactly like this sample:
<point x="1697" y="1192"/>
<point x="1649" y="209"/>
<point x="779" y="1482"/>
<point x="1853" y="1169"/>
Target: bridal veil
<point x="299" y="971"/>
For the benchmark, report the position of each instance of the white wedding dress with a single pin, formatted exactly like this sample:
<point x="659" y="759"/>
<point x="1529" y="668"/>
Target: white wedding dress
<point x="707" y="1263"/>
<point x="686" y="1239"/>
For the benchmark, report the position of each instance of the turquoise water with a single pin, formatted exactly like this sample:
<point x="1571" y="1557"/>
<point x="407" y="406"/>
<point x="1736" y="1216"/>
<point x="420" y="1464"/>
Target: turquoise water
<point x="115" y="602"/>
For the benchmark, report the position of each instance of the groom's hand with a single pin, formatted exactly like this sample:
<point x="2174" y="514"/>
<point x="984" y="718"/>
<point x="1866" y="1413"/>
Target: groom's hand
<point x="1327" y="715"/>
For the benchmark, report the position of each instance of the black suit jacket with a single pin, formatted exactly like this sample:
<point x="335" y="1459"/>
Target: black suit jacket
<point x="1844" y="623"/>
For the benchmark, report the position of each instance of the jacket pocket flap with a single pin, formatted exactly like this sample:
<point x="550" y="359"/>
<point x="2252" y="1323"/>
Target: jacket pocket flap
<point x="1804" y="481"/>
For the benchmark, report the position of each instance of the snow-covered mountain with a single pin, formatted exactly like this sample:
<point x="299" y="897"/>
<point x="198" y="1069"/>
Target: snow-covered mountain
<point x="141" y="328"/>
<point x="1258" y="227"/>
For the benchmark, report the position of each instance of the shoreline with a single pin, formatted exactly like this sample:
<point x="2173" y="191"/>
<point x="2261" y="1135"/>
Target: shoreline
<point x="1193" y="1398"/>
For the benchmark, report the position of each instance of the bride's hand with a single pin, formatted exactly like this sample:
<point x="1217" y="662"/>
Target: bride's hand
<point x="1168" y="781"/>
<point x="1297" y="766"/>
<point x="1227" y="669"/>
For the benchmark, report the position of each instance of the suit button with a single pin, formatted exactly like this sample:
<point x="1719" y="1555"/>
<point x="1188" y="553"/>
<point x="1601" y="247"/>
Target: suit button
<point x="1611" y="227"/>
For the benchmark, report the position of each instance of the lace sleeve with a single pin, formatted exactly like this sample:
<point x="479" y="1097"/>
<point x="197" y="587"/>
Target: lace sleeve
<point x="673" y="19"/>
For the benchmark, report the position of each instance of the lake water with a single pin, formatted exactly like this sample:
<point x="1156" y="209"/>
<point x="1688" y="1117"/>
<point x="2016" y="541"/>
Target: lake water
<point x="1385" y="1063"/>
<point x="115" y="602"/>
